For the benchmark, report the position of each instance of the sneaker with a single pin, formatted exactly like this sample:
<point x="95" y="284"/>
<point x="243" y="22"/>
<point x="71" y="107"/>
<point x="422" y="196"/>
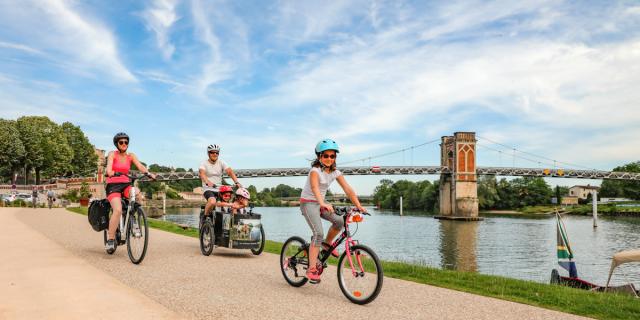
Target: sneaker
<point x="326" y="246"/>
<point x="313" y="275"/>
<point x="110" y="247"/>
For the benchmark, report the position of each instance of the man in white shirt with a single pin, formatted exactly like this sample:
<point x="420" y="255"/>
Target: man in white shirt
<point x="211" y="172"/>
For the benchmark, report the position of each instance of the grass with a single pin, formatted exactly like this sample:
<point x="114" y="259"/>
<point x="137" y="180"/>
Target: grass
<point x="579" y="302"/>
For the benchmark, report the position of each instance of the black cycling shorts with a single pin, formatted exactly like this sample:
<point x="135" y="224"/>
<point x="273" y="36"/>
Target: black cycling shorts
<point x="209" y="193"/>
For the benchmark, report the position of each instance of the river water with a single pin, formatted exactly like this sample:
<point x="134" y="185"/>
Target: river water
<point x="516" y="247"/>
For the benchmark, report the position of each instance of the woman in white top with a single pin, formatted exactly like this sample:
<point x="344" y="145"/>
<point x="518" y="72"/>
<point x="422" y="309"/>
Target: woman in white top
<point x="313" y="206"/>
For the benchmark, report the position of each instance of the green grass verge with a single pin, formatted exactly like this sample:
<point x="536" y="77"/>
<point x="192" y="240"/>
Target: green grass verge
<point x="580" y="302"/>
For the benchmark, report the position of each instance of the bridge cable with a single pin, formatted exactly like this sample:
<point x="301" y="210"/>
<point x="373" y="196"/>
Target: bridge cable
<point x="555" y="162"/>
<point x="391" y="153"/>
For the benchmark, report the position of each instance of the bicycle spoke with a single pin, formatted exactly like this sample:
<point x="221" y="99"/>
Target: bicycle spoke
<point x="294" y="262"/>
<point x="360" y="276"/>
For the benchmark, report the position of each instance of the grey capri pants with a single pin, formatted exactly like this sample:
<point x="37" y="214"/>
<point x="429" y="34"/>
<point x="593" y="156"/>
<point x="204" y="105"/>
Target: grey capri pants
<point x="311" y="213"/>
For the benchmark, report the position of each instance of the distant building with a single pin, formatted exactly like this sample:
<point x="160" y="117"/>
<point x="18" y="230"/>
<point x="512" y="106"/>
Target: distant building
<point x="569" y="201"/>
<point x="581" y="192"/>
<point x="101" y="164"/>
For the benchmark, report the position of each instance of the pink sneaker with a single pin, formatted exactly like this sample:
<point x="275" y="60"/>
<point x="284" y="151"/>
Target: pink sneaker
<point x="313" y="275"/>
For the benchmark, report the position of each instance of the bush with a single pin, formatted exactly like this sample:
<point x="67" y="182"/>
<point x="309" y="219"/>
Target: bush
<point x="71" y="195"/>
<point x="19" y="203"/>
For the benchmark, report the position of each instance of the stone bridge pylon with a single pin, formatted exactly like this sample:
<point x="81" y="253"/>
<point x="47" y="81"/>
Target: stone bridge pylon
<point x="459" y="188"/>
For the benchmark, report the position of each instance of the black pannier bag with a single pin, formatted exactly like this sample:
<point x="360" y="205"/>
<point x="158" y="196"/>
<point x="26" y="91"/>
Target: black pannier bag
<point x="99" y="214"/>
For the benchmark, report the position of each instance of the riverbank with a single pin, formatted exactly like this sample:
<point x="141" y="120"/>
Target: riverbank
<point x="598" y="305"/>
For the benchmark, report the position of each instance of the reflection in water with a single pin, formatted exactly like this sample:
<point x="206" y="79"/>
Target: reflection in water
<point x="458" y="245"/>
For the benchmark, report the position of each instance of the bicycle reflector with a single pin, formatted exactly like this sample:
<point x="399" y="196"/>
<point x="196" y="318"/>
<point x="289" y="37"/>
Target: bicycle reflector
<point x="357" y="294"/>
<point x="355" y="218"/>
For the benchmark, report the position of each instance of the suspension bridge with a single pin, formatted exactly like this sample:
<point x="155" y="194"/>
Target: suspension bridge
<point x="457" y="170"/>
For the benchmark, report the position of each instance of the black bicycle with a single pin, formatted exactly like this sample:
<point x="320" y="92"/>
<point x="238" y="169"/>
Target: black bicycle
<point x="134" y="221"/>
<point x="360" y="273"/>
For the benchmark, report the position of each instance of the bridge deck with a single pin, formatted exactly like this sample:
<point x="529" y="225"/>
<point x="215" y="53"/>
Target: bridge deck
<point x="419" y="170"/>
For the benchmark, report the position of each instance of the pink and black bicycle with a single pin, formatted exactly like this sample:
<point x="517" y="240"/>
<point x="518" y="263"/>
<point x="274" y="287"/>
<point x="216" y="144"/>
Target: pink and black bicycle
<point x="360" y="273"/>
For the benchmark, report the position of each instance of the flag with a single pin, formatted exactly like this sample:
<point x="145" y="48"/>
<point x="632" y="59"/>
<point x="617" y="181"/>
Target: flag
<point x="565" y="255"/>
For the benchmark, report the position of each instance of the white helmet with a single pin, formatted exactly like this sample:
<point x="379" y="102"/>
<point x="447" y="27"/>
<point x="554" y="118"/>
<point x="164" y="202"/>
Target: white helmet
<point x="213" y="147"/>
<point x="243" y="193"/>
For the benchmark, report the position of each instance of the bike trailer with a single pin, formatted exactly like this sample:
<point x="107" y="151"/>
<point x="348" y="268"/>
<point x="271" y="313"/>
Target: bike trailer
<point x="99" y="214"/>
<point x="245" y="231"/>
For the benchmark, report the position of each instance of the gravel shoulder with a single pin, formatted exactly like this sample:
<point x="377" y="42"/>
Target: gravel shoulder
<point x="230" y="284"/>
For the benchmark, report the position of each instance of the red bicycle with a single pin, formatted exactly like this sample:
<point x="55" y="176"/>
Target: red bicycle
<point x="360" y="273"/>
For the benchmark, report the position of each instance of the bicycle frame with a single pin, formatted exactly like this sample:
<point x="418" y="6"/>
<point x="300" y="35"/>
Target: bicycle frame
<point x="345" y="236"/>
<point x="124" y="224"/>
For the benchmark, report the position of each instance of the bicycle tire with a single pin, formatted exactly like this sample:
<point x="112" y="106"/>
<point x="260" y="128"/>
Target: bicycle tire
<point x="259" y="250"/>
<point x="352" y="296"/>
<point x="139" y="217"/>
<point x="207" y="234"/>
<point x="285" y="260"/>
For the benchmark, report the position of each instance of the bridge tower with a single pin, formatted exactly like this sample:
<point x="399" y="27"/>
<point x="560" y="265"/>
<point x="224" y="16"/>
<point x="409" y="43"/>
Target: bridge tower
<point x="459" y="188"/>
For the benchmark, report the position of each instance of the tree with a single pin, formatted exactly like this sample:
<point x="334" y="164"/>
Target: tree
<point x="46" y="147"/>
<point x="488" y="196"/>
<point x="84" y="159"/>
<point x="12" y="150"/>
<point x="622" y="188"/>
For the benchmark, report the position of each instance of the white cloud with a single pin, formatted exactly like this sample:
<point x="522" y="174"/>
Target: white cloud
<point x="20" y="47"/>
<point x="159" y="17"/>
<point x="59" y="26"/>
<point x="389" y="82"/>
<point x="21" y="98"/>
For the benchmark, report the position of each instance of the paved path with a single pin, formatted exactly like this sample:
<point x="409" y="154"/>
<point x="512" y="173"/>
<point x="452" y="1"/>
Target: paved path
<point x="39" y="279"/>
<point x="231" y="284"/>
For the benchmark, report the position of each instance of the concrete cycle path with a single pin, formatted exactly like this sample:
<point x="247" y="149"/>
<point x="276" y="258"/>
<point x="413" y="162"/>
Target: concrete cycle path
<point x="234" y="284"/>
<point x="39" y="279"/>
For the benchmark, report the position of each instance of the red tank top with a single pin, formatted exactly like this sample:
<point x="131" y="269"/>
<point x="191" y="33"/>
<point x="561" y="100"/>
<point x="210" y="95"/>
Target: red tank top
<point x="121" y="166"/>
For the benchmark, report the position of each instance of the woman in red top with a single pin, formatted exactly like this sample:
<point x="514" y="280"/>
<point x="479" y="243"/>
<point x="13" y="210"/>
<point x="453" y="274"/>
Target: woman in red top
<point x="119" y="186"/>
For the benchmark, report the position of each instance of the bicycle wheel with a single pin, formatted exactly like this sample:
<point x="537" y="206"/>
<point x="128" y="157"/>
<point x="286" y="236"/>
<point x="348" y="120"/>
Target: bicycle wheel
<point x="361" y="284"/>
<point x="258" y="251"/>
<point x="206" y="237"/>
<point x="137" y="236"/>
<point x="294" y="260"/>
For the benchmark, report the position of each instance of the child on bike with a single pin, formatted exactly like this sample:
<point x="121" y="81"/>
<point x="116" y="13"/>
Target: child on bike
<point x="241" y="201"/>
<point x="313" y="206"/>
<point x="226" y="197"/>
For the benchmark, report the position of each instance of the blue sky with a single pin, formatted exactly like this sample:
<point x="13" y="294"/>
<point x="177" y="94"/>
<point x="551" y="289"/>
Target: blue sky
<point x="266" y="80"/>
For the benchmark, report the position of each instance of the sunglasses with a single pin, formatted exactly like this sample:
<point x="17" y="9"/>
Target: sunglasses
<point x="214" y="152"/>
<point x="327" y="156"/>
<point x="123" y="142"/>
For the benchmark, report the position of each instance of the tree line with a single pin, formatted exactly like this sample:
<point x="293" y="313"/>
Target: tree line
<point x="497" y="194"/>
<point x="37" y="144"/>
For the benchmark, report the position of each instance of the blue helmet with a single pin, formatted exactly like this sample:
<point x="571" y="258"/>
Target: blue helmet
<point x="326" y="144"/>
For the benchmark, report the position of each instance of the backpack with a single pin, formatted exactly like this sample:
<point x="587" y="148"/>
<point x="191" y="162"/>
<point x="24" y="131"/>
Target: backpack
<point x="99" y="214"/>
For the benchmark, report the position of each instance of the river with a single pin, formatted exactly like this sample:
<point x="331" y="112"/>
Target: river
<point x="516" y="247"/>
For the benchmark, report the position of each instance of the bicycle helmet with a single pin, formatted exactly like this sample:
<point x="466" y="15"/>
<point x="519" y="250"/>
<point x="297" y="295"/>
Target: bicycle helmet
<point x="118" y="136"/>
<point x="224" y="189"/>
<point x="213" y="147"/>
<point x="243" y="193"/>
<point x="327" y="144"/>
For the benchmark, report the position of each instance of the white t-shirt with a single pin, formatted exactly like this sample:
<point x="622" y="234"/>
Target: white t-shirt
<point x="214" y="172"/>
<point x="324" y="180"/>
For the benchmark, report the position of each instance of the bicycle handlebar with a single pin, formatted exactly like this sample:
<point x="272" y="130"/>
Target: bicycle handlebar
<point x="344" y="209"/>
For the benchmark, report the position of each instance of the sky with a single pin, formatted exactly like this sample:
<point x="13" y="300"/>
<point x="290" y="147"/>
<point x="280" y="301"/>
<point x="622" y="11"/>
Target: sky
<point x="267" y="79"/>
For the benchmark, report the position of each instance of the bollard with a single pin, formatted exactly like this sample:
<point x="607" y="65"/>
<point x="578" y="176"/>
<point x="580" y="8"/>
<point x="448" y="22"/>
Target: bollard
<point x="595" y="208"/>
